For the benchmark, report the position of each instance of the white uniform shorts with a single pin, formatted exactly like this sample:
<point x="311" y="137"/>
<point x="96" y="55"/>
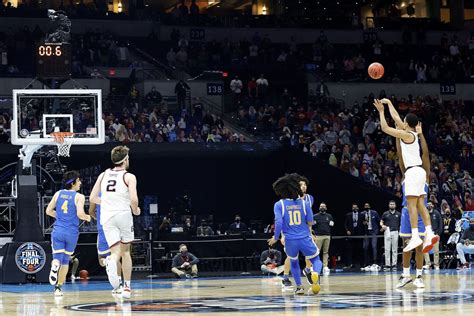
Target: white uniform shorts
<point x="415" y="179"/>
<point x="119" y="228"/>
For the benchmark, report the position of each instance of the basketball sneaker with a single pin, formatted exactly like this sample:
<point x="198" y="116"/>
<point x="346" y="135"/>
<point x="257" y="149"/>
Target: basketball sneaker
<point x="53" y="274"/>
<point x="326" y="271"/>
<point x="414" y="242"/>
<point x="286" y="283"/>
<point x="58" y="292"/>
<point x="299" y="290"/>
<point x="117" y="291"/>
<point x="419" y="282"/>
<point x="126" y="292"/>
<point x="430" y="240"/>
<point x="403" y="281"/>
<point x="111" y="268"/>
<point x="313" y="279"/>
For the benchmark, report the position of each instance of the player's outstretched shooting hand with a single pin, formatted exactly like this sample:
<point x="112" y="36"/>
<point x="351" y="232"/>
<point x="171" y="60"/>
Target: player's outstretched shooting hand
<point x="378" y="105"/>
<point x="386" y="101"/>
<point x="272" y="241"/>
<point x="418" y="129"/>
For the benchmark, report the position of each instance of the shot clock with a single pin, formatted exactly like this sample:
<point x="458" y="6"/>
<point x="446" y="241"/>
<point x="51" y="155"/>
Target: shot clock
<point x="53" y="61"/>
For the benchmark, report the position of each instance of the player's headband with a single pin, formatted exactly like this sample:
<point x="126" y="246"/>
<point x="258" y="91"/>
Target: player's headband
<point x="121" y="161"/>
<point x="71" y="180"/>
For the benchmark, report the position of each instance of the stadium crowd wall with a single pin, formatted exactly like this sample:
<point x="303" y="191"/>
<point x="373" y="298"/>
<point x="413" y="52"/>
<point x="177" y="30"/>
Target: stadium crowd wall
<point x="127" y="28"/>
<point x="350" y="92"/>
<point x="227" y="178"/>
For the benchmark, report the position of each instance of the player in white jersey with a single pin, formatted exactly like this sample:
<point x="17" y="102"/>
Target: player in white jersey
<point x="118" y="201"/>
<point x="415" y="175"/>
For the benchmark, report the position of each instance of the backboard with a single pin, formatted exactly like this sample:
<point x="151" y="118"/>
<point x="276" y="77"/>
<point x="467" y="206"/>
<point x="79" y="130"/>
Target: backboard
<point x="38" y="113"/>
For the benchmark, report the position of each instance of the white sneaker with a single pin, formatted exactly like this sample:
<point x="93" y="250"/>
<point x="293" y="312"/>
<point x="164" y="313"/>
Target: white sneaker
<point x="117" y="291"/>
<point x="429" y="242"/>
<point x="414" y="242"/>
<point x="326" y="271"/>
<point x="403" y="281"/>
<point x="126" y="292"/>
<point x="426" y="267"/>
<point x="111" y="268"/>
<point x="436" y="268"/>
<point x="419" y="282"/>
<point x="58" y="292"/>
<point x="53" y="274"/>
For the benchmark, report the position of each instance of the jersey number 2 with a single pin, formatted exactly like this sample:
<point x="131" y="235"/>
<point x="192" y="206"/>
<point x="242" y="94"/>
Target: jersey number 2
<point x="295" y="217"/>
<point x="111" y="185"/>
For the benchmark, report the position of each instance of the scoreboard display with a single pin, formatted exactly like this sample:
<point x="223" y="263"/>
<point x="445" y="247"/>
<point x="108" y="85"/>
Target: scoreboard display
<point x="53" y="61"/>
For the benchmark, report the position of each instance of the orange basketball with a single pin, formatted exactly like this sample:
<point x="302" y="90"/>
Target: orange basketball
<point x="376" y="70"/>
<point x="83" y="274"/>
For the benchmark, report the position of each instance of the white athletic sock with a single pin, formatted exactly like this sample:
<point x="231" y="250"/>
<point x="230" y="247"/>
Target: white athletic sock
<point x="126" y="283"/>
<point x="419" y="272"/>
<point x="414" y="233"/>
<point x="406" y="272"/>
<point x="429" y="230"/>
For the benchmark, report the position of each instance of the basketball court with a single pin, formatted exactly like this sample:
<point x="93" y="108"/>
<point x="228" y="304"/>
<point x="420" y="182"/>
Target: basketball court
<point x="341" y="294"/>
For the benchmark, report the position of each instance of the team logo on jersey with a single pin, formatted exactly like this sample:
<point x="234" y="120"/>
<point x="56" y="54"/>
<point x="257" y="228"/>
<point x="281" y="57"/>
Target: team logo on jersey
<point x="278" y="303"/>
<point x="30" y="257"/>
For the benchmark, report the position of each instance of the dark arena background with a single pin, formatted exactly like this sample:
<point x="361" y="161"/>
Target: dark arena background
<point x="216" y="100"/>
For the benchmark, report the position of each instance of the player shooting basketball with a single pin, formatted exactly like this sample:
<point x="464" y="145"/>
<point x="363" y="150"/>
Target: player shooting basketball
<point x="118" y="190"/>
<point x="415" y="175"/>
<point x="294" y="217"/>
<point x="67" y="206"/>
<point x="405" y="229"/>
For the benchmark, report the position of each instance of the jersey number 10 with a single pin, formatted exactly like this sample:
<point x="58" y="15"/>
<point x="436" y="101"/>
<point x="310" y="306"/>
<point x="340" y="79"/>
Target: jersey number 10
<point x="295" y="217"/>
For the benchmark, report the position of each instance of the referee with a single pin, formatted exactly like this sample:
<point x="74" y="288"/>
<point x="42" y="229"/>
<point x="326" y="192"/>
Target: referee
<point x="390" y="223"/>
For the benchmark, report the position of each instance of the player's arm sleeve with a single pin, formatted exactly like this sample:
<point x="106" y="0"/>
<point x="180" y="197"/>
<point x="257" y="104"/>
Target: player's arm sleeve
<point x="278" y="220"/>
<point x="194" y="259"/>
<point x="94" y="196"/>
<point x="52" y="205"/>
<point x="132" y="189"/>
<point x="463" y="237"/>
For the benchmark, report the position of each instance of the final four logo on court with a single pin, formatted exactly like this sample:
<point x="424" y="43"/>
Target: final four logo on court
<point x="30" y="257"/>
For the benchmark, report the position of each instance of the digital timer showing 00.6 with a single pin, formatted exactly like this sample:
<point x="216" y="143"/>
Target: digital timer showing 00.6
<point x="47" y="50"/>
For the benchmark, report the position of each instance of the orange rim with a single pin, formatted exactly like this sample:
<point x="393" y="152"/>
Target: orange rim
<point x="59" y="136"/>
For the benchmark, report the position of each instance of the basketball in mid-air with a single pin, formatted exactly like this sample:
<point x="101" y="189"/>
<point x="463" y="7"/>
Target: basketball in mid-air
<point x="376" y="70"/>
<point x="83" y="274"/>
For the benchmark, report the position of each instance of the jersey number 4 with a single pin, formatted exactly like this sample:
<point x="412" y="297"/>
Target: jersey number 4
<point x="295" y="217"/>
<point x="64" y="207"/>
<point x="111" y="185"/>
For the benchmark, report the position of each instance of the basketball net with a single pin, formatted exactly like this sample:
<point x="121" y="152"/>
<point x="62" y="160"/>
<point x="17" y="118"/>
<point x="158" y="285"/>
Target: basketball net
<point x="63" y="141"/>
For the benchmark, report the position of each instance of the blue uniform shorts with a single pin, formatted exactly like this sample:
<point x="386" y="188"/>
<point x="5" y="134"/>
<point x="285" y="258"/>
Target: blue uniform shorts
<point x="63" y="245"/>
<point x="405" y="226"/>
<point x="102" y="246"/>
<point x="305" y="245"/>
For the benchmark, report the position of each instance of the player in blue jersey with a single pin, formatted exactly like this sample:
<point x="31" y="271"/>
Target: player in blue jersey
<point x="294" y="218"/>
<point x="304" y="183"/>
<point x="67" y="206"/>
<point x="405" y="227"/>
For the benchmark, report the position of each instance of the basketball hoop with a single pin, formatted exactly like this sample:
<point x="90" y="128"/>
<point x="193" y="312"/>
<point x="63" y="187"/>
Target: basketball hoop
<point x="63" y="141"/>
